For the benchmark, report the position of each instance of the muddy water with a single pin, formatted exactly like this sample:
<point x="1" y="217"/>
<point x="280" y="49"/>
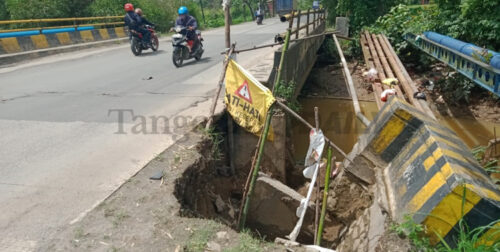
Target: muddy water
<point x="339" y="124"/>
<point x="337" y="120"/>
<point x="472" y="131"/>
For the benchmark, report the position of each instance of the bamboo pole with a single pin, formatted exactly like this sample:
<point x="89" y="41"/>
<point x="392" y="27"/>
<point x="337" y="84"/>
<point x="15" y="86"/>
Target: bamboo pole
<point x="316" y="215"/>
<point x="263" y="138"/>
<point x="352" y="89"/>
<point x="291" y="112"/>
<point x="230" y="126"/>
<point x="221" y="83"/>
<point x="292" y="40"/>
<point x="325" y="195"/>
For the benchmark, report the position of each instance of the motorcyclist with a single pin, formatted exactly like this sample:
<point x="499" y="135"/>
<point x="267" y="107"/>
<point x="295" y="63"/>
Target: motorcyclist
<point x="142" y="19"/>
<point x="259" y="14"/>
<point x="188" y="21"/>
<point x="133" y="21"/>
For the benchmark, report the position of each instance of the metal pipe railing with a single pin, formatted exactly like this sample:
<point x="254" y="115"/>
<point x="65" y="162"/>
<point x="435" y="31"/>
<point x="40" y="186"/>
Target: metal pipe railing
<point x="45" y="20"/>
<point x="76" y="22"/>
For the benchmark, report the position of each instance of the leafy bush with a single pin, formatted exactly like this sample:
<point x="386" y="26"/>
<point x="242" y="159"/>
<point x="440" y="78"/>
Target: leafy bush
<point x="3" y="11"/>
<point x="287" y="91"/>
<point x="403" y="19"/>
<point x="21" y="9"/>
<point x="361" y="13"/>
<point x="474" y="21"/>
<point x="160" y="12"/>
<point x="456" y="88"/>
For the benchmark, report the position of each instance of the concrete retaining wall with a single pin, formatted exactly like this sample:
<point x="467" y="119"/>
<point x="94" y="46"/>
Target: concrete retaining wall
<point x="427" y="172"/>
<point x="43" y="41"/>
<point x="300" y="59"/>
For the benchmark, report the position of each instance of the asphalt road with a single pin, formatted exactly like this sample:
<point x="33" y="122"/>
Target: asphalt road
<point x="60" y="153"/>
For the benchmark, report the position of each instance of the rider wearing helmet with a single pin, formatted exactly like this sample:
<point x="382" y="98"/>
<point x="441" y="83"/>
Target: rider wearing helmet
<point x="188" y="21"/>
<point x="142" y="19"/>
<point x="133" y="21"/>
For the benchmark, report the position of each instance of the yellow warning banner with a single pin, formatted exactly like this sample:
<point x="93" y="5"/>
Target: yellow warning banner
<point x="247" y="100"/>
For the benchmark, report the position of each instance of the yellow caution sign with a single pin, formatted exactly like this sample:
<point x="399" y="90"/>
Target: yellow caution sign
<point x="246" y="99"/>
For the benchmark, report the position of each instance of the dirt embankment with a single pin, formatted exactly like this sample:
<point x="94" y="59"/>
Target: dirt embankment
<point x="145" y="215"/>
<point x="327" y="81"/>
<point x="481" y="105"/>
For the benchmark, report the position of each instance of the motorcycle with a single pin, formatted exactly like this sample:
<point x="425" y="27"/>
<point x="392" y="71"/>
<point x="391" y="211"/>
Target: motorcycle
<point x="181" y="46"/>
<point x="137" y="44"/>
<point x="259" y="19"/>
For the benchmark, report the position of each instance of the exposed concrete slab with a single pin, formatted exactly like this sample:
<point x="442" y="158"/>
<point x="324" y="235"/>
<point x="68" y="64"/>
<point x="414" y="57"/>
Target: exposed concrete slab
<point x="273" y="210"/>
<point x="274" y="159"/>
<point x="300" y="59"/>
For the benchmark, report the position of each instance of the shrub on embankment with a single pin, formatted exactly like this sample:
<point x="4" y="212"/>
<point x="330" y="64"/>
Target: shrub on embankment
<point x="160" y="12"/>
<point x="473" y="21"/>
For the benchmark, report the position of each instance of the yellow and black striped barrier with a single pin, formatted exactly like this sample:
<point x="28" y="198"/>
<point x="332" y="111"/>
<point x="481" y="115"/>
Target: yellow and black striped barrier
<point x="43" y="41"/>
<point x="431" y="174"/>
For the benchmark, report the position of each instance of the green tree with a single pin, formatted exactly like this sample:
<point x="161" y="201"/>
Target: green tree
<point x="4" y="15"/>
<point x="107" y="7"/>
<point x="26" y="9"/>
<point x="361" y="12"/>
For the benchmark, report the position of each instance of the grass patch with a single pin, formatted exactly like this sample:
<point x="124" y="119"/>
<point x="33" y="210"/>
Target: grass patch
<point x="216" y="138"/>
<point x="250" y="244"/>
<point x="480" y="239"/>
<point x="198" y="240"/>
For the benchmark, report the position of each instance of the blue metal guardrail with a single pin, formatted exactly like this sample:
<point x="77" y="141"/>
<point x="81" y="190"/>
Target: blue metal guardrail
<point x="10" y="28"/>
<point x="464" y="57"/>
<point x="44" y="31"/>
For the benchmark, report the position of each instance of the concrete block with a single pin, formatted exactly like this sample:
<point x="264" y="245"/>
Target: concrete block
<point x="9" y="45"/>
<point x="301" y="57"/>
<point x="274" y="159"/>
<point x="273" y="210"/>
<point x="429" y="171"/>
<point x="342" y="26"/>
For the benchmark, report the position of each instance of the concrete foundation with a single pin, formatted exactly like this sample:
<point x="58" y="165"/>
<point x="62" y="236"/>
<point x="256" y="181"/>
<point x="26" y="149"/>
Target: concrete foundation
<point x="273" y="210"/>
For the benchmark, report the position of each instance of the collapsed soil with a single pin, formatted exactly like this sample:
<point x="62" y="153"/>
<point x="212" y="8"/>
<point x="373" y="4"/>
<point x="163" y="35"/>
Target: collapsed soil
<point x="144" y="214"/>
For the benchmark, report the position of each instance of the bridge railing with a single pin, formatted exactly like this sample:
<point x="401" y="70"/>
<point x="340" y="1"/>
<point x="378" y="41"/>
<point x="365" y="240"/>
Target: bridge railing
<point x="482" y="73"/>
<point x="318" y="16"/>
<point x="14" y="28"/>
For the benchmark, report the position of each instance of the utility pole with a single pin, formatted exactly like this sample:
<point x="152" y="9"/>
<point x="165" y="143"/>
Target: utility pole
<point x="230" y="126"/>
<point x="227" y="21"/>
<point x="202" y="12"/>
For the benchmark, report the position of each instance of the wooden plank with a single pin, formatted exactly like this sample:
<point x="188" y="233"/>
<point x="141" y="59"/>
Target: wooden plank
<point x="424" y="104"/>
<point x="385" y="66"/>
<point x="377" y="90"/>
